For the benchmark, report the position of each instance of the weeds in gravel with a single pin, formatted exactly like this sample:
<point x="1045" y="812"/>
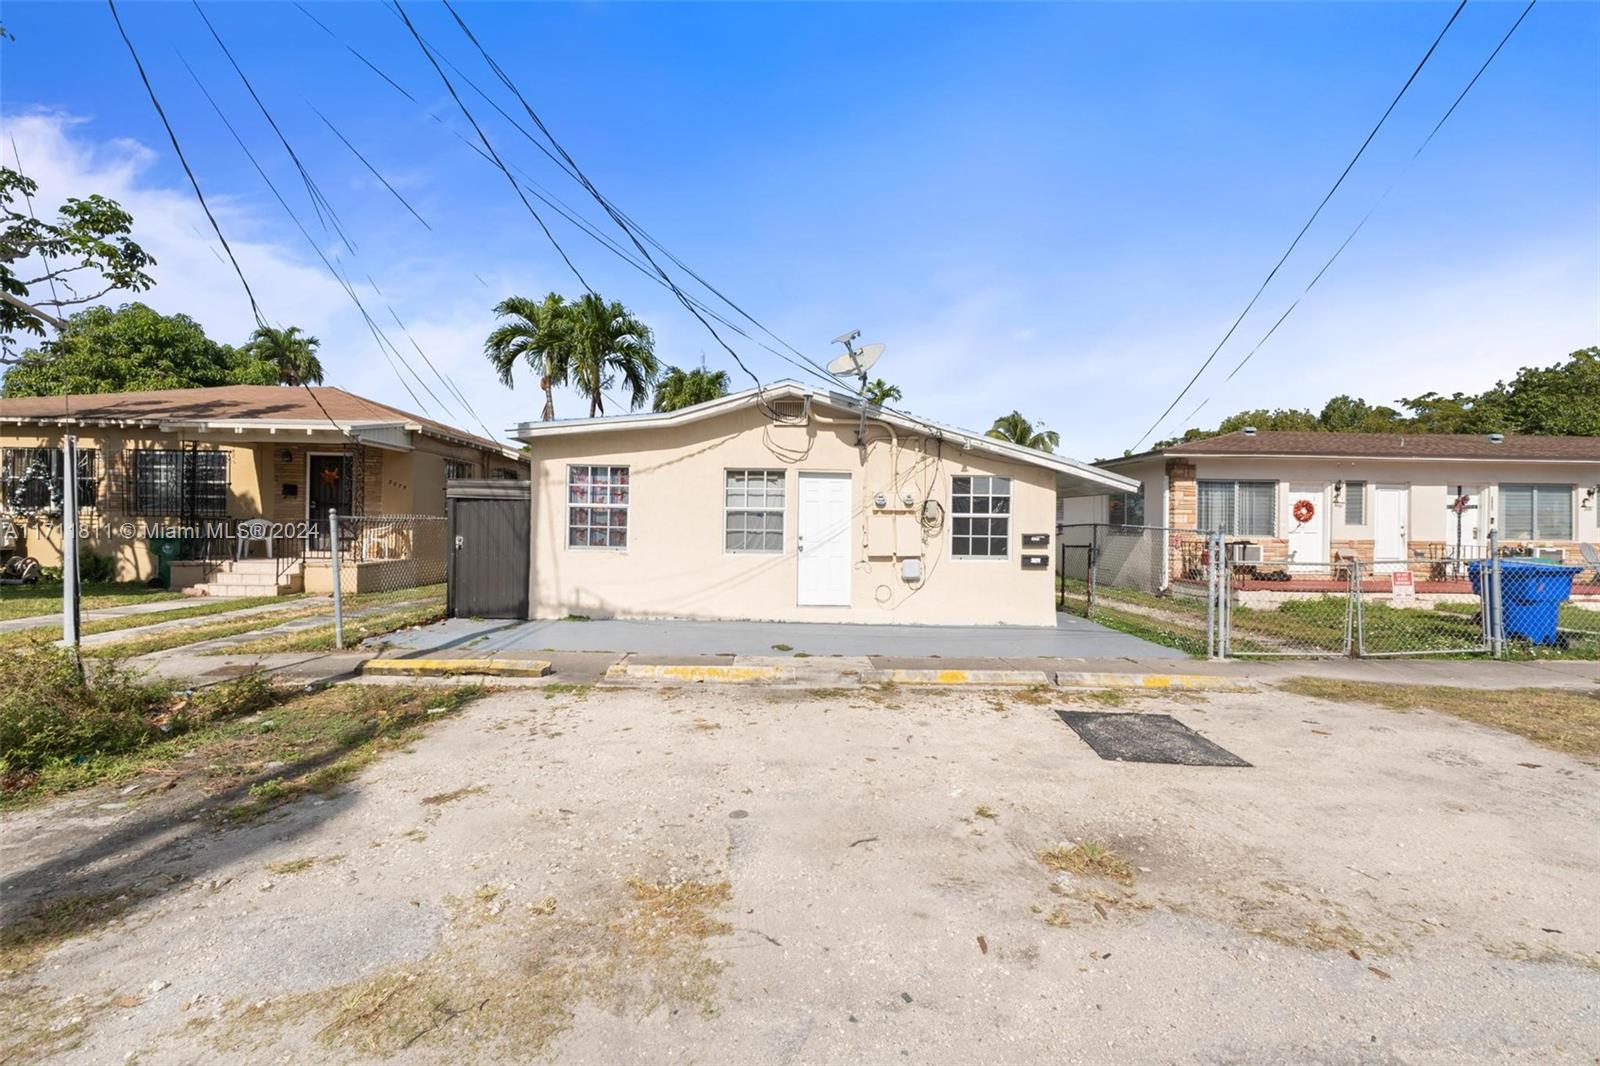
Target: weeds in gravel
<point x="439" y="799"/>
<point x="1091" y="858"/>
<point x="1565" y="720"/>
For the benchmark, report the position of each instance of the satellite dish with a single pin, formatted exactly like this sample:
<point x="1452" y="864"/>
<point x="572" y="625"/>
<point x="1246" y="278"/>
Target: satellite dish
<point x="846" y="338"/>
<point x="857" y="360"/>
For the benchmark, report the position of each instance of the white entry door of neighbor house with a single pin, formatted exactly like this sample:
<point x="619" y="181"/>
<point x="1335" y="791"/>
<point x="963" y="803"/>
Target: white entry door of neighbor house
<point x="1470" y="527"/>
<point x="823" y="540"/>
<point x="1308" y="540"/>
<point x="1389" y="510"/>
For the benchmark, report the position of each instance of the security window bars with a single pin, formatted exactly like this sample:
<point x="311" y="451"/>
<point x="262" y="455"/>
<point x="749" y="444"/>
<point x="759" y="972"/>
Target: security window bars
<point x="1536" y="512"/>
<point x="597" y="506"/>
<point x="455" y="470"/>
<point x="1126" y="509"/>
<point x="30" y="479"/>
<point x="1355" y="503"/>
<point x="980" y="517"/>
<point x="753" y="502"/>
<point x="1239" y="508"/>
<point x="180" y="482"/>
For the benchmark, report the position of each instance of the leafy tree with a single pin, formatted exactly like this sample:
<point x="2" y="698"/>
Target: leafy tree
<point x="1018" y="430"/>
<point x="293" y="353"/>
<point x="1344" y="414"/>
<point x="880" y="393"/>
<point x="81" y="256"/>
<point x="133" y="348"/>
<point x="606" y="346"/>
<point x="685" y="388"/>
<point x="534" y="333"/>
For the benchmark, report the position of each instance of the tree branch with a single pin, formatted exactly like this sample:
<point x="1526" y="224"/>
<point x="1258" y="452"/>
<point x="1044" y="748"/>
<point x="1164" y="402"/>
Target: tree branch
<point x="58" y="323"/>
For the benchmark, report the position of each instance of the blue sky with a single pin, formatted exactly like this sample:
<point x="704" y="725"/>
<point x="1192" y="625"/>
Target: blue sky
<point x="1054" y="208"/>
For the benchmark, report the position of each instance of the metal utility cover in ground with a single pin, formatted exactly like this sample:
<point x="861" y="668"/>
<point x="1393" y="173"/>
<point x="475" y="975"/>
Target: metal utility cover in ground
<point x="1125" y="737"/>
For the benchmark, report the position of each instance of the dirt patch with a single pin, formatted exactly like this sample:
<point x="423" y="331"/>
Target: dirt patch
<point x="441" y="798"/>
<point x="510" y="991"/>
<point x="1563" y="720"/>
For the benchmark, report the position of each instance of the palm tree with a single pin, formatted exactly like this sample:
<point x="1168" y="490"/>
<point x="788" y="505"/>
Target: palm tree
<point x="293" y="353"/>
<point x="1018" y="430"/>
<point x="605" y="345"/>
<point x="534" y="332"/>
<point x="685" y="388"/>
<point x="880" y="392"/>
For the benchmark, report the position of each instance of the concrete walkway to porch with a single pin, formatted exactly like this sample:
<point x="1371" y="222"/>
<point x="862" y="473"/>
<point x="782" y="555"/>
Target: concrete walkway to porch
<point x="1070" y="638"/>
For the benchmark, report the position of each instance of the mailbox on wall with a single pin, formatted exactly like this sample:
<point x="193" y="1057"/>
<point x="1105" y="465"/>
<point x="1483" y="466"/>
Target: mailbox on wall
<point x="1036" y="562"/>
<point x="1036" y="540"/>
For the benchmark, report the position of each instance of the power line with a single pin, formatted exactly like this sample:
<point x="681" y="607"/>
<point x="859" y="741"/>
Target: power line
<point x="1294" y="243"/>
<point x="364" y="161"/>
<point x="319" y="202"/>
<point x="398" y="10"/>
<point x="1379" y="203"/>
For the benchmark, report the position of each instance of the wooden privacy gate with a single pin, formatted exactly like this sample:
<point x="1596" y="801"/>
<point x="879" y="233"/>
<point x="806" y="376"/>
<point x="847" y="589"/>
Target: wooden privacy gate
<point x="489" y="548"/>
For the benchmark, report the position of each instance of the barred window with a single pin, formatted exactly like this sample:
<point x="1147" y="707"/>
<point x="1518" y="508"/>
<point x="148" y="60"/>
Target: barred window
<point x="1239" y="508"/>
<point x="456" y="470"/>
<point x="1536" y="512"/>
<point x="597" y="506"/>
<point x="1355" y="503"/>
<point x="980" y="517"/>
<point x="30" y="479"/>
<point x="753" y="504"/>
<point x="181" y="482"/>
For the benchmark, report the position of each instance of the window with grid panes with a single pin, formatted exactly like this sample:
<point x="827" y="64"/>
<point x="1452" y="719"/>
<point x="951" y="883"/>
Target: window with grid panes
<point x="30" y="479"/>
<point x="980" y="517"/>
<point x="753" y="503"/>
<point x="597" y="506"/>
<point x="170" y="482"/>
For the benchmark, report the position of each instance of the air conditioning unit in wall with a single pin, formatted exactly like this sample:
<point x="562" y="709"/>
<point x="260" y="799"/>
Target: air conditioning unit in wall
<point x="1245" y="554"/>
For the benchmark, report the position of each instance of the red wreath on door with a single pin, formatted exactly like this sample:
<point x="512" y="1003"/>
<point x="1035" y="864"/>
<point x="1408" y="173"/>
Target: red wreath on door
<point x="1304" y="511"/>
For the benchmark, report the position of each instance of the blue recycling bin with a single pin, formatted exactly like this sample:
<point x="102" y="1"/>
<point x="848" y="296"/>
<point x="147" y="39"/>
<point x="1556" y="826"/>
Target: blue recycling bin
<point x="1531" y="595"/>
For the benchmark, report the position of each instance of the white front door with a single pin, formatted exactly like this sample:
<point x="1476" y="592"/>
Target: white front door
<point x="1308" y="540"/>
<point x="1389" y="527"/>
<point x="823" y="540"/>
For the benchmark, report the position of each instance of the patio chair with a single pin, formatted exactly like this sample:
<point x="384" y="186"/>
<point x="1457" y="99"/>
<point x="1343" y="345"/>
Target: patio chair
<point x="249" y="530"/>
<point x="1591" y="557"/>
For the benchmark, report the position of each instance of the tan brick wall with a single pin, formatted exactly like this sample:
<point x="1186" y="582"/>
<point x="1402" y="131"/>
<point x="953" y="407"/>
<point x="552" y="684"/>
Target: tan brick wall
<point x="1183" y="495"/>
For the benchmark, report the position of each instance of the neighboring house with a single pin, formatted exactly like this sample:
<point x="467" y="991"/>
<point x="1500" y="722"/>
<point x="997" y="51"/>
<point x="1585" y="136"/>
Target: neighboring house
<point x="1426" y="502"/>
<point x="202" y="460"/>
<point x="763" y="505"/>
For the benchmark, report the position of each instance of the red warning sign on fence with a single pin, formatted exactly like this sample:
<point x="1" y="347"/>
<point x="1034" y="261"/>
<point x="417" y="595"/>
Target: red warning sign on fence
<point x="1403" y="585"/>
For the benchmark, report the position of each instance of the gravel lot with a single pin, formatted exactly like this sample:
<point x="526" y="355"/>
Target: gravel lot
<point x="758" y="874"/>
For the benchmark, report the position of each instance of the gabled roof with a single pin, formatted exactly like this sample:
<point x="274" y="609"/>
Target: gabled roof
<point x="1072" y="476"/>
<point x="1514" y="447"/>
<point x="229" y="405"/>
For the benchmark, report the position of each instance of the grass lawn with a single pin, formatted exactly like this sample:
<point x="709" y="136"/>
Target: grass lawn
<point x="1563" y="720"/>
<point x="200" y="609"/>
<point x="25" y="601"/>
<point x="320" y="638"/>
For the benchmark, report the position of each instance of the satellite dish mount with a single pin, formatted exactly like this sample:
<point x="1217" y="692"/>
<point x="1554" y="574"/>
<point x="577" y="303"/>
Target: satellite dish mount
<point x="856" y="361"/>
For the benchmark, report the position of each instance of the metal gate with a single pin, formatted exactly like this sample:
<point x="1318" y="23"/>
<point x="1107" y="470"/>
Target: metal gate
<point x="489" y="548"/>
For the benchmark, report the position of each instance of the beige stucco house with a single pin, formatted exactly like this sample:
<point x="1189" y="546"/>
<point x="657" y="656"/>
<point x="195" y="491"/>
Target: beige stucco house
<point x="789" y="503"/>
<point x="195" y="462"/>
<point x="1428" y="501"/>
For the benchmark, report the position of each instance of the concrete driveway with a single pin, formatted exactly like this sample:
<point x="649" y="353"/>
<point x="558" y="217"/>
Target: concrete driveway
<point x="1070" y="638"/>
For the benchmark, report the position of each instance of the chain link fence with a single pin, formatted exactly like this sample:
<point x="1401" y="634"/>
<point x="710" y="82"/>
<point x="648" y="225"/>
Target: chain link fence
<point x="385" y="572"/>
<point x="1208" y="595"/>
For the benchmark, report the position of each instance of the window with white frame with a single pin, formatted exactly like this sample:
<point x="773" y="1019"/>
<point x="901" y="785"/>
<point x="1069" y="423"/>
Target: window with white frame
<point x="30" y="479"/>
<point x="1126" y="509"/>
<point x="1355" y="503"/>
<point x="1536" y="512"/>
<point x="597" y="506"/>
<point x="1239" y="508"/>
<point x="752" y="515"/>
<point x="980" y="517"/>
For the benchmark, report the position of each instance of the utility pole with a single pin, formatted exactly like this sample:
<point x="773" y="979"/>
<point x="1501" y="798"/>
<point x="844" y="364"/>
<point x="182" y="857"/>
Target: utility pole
<point x="69" y="546"/>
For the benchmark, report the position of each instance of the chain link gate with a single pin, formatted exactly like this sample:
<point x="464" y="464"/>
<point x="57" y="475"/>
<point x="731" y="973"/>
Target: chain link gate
<point x="1202" y="593"/>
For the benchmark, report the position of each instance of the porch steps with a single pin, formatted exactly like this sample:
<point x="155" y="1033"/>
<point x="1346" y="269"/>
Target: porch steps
<point x="255" y="577"/>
